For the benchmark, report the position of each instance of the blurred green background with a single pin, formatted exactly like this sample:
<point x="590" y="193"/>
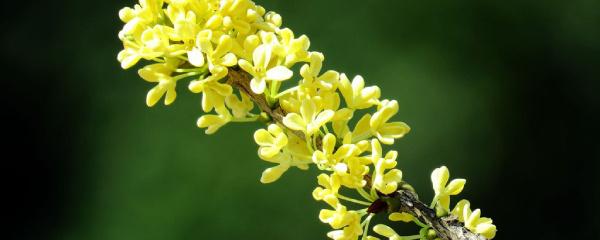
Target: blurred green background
<point x="504" y="93"/>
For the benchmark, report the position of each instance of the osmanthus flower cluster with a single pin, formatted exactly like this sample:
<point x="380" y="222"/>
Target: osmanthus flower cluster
<point x="336" y="124"/>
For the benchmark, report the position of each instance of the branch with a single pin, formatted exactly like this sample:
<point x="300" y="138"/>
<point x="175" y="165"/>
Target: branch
<point x="447" y="228"/>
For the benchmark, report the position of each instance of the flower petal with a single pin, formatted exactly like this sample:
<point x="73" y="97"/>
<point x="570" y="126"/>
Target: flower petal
<point x="279" y="73"/>
<point x="394" y="129"/>
<point x="196" y="57"/>
<point x="154" y="95"/>
<point x="398" y="216"/>
<point x="328" y="143"/>
<point x="246" y="66"/>
<point x="455" y="186"/>
<point x="272" y="174"/>
<point x="268" y="152"/>
<point x="258" y="85"/>
<point x="439" y="178"/>
<point x="171" y="95"/>
<point x="294" y="121"/>
<point x="229" y="60"/>
<point x="263" y="138"/>
<point x="323" y="117"/>
<point x="384" y="230"/>
<point x="362" y="130"/>
<point x="308" y="110"/>
<point x="262" y="56"/>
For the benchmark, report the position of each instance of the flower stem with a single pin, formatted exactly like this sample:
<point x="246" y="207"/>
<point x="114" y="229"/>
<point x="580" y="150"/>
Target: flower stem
<point x="353" y="200"/>
<point x="287" y="91"/>
<point x="364" y="194"/>
<point x="411" y="237"/>
<point x="182" y="76"/>
<point x="247" y="119"/>
<point x="434" y="201"/>
<point x="366" y="229"/>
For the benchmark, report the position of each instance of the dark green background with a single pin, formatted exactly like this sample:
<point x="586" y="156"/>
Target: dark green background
<point x="504" y="93"/>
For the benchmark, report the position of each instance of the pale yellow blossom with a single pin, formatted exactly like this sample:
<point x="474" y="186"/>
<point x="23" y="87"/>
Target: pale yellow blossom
<point x="384" y="131"/>
<point x="261" y="71"/>
<point x="473" y="220"/>
<point x="329" y="156"/>
<point x="310" y="119"/>
<point x="384" y="182"/>
<point x="160" y="73"/>
<point x="439" y="178"/>
<point x="271" y="142"/>
<point x="329" y="186"/>
<point x="213" y="122"/>
<point x="310" y="73"/>
<point x="358" y="96"/>
<point x="239" y="108"/>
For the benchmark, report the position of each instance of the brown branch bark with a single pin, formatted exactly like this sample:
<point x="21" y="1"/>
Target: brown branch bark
<point x="400" y="201"/>
<point x="447" y="228"/>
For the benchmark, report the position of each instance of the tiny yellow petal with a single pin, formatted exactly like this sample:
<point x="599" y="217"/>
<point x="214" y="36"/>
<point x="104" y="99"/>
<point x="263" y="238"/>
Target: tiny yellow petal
<point x="272" y="174"/>
<point x="400" y="216"/>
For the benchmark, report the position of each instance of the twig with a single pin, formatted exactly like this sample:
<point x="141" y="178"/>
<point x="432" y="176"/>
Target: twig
<point x="447" y="228"/>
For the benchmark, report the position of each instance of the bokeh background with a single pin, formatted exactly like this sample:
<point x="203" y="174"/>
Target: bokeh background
<point x="505" y="93"/>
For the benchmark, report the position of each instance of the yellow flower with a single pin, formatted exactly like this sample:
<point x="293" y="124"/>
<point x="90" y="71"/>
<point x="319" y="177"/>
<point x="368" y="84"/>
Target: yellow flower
<point x="310" y="73"/>
<point x="129" y="56"/>
<point x="355" y="93"/>
<point x="331" y="100"/>
<point x="245" y="49"/>
<point x="261" y="71"/>
<point x="350" y="232"/>
<point x="385" y="183"/>
<point x="310" y="119"/>
<point x="138" y="18"/>
<point x="339" y="217"/>
<point x="218" y="58"/>
<point x="352" y="172"/>
<point x="340" y="120"/>
<point x="291" y="102"/>
<point x="327" y="158"/>
<point x="439" y="178"/>
<point x="473" y="220"/>
<point x="459" y="209"/>
<point x="293" y="49"/>
<point x="214" y="93"/>
<point x="160" y="73"/>
<point x="184" y="23"/>
<point x="231" y="14"/>
<point x="155" y="41"/>
<point x="384" y="131"/>
<point x="272" y="22"/>
<point x="239" y="108"/>
<point x="212" y="123"/>
<point x="271" y="142"/>
<point x="329" y="186"/>
<point x="295" y="153"/>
